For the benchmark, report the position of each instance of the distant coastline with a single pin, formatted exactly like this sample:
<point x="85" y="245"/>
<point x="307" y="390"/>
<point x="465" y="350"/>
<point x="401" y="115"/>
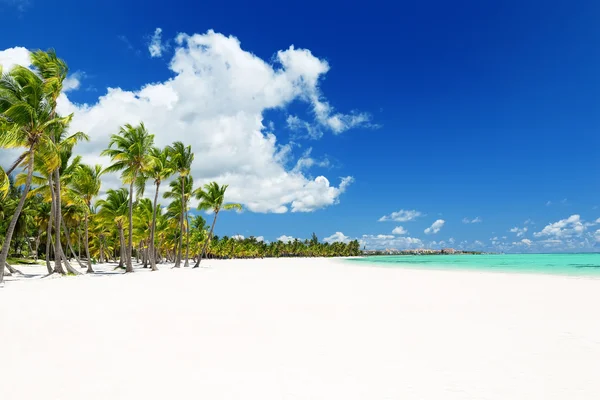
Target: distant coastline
<point x="419" y="252"/>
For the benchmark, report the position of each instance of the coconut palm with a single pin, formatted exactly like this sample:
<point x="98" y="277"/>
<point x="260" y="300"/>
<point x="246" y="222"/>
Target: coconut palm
<point x="159" y="171"/>
<point x="47" y="188"/>
<point x="27" y="118"/>
<point x="212" y="198"/>
<point x="83" y="188"/>
<point x="131" y="157"/>
<point x="181" y="161"/>
<point x="4" y="184"/>
<point x="113" y="211"/>
<point x="174" y="209"/>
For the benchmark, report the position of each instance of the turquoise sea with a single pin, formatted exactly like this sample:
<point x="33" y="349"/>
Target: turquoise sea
<point x="582" y="264"/>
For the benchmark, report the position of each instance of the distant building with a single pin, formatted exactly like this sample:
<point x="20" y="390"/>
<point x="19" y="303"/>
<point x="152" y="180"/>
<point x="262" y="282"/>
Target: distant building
<point x="448" y="251"/>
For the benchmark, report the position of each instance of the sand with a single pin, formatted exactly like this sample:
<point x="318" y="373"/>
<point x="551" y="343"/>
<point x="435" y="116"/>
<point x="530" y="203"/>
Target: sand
<point x="299" y="329"/>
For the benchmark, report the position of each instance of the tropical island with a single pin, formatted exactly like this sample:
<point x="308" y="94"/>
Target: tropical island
<point x="52" y="209"/>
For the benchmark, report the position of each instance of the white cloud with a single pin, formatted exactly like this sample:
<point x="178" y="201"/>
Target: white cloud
<point x="14" y="56"/>
<point x="306" y="161"/>
<point x="402" y="216"/>
<point x="475" y="220"/>
<point x="285" y="238"/>
<point x="337" y="237"/>
<point x="155" y="47"/>
<point x="238" y="237"/>
<point x="451" y="240"/>
<point x="399" y="230"/>
<point x="527" y="242"/>
<point x="374" y="242"/>
<point x="519" y="231"/>
<point x="528" y="222"/>
<point x="215" y="102"/>
<point x="435" y="227"/>
<point x="597" y="235"/>
<point x="296" y="124"/>
<point x="73" y="81"/>
<point x="568" y="227"/>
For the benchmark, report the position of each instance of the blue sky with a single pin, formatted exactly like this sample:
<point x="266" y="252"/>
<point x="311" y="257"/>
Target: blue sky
<point x="455" y="110"/>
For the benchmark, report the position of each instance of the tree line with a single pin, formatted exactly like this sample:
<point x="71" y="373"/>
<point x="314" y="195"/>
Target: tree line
<point x="49" y="201"/>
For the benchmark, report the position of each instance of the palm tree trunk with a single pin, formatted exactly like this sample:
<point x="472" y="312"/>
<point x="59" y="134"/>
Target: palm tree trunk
<point x="129" y="250"/>
<point x="90" y="270"/>
<point x="122" y="240"/>
<point x="180" y="246"/>
<point x="79" y="240"/>
<point x="57" y="219"/>
<point x="207" y="241"/>
<point x="49" y="243"/>
<point x="187" y="239"/>
<point x="151" y="251"/>
<point x="15" y="217"/>
<point x="67" y="263"/>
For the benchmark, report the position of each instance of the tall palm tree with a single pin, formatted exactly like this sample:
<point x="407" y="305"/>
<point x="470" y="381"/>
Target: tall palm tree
<point x="84" y="187"/>
<point x="159" y="171"/>
<point x="181" y="160"/>
<point x="27" y="117"/>
<point x="130" y="156"/>
<point x="53" y="72"/>
<point x="212" y="197"/>
<point x="174" y="209"/>
<point x="113" y="211"/>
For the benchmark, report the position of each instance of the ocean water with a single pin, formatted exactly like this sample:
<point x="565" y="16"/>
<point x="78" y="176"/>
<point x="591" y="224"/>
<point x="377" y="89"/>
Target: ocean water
<point x="582" y="264"/>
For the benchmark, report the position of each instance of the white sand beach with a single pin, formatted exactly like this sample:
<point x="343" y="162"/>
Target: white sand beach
<point x="299" y="329"/>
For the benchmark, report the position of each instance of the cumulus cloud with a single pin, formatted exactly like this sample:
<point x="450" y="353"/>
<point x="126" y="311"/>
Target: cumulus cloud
<point x="402" y="216"/>
<point x="215" y="102"/>
<point x="338" y="237"/>
<point x="14" y="56"/>
<point x="155" y="47"/>
<point x="238" y="237"/>
<point x="519" y="231"/>
<point x="475" y="220"/>
<point x="435" y="227"/>
<point x="527" y="242"/>
<point x="597" y="235"/>
<point x="564" y="228"/>
<point x="286" y="238"/>
<point x="399" y="230"/>
<point x="73" y="81"/>
<point x="376" y="242"/>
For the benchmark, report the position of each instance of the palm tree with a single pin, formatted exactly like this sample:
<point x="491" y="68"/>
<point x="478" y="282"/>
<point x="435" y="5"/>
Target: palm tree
<point x="159" y="171"/>
<point x="181" y="159"/>
<point x="4" y="184"/>
<point x="84" y="187"/>
<point x="113" y="211"/>
<point x="174" y="209"/>
<point x="130" y="156"/>
<point x="26" y="115"/>
<point x="212" y="197"/>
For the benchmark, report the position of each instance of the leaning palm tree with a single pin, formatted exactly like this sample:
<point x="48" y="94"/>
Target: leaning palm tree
<point x="181" y="161"/>
<point x="84" y="187"/>
<point x="212" y="198"/>
<point x="159" y="171"/>
<point x="131" y="157"/>
<point x="26" y="116"/>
